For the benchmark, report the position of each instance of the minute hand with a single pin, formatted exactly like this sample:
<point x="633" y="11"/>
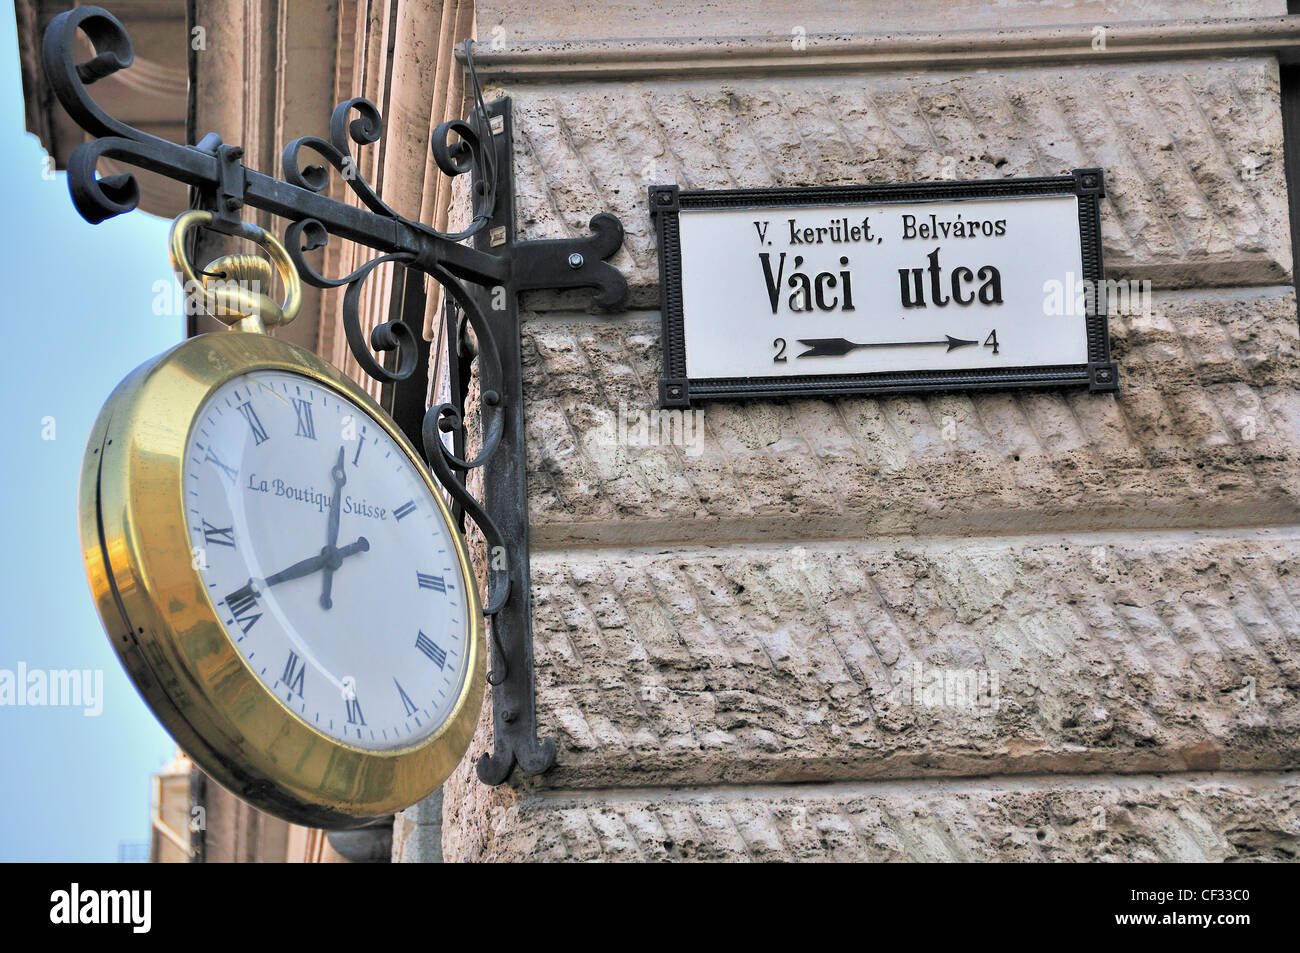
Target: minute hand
<point x="340" y="477"/>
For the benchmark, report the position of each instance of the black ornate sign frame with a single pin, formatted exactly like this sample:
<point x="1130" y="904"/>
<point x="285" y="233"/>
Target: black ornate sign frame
<point x="677" y="390"/>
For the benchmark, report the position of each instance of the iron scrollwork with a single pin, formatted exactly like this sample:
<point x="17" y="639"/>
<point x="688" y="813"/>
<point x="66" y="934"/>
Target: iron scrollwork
<point x="470" y="274"/>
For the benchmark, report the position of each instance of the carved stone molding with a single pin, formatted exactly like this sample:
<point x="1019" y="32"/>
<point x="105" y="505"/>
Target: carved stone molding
<point x="821" y="54"/>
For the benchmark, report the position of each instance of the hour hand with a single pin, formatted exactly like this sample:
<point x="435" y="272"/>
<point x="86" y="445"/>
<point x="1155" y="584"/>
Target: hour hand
<point x="324" y="560"/>
<point x="299" y="569"/>
<point x="333" y="559"/>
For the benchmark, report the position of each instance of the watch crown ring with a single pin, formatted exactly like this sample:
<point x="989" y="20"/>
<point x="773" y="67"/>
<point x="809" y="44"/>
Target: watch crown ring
<point x="232" y="288"/>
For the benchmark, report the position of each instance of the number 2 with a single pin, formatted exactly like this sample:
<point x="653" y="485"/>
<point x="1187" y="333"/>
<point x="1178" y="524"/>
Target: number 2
<point x="779" y="343"/>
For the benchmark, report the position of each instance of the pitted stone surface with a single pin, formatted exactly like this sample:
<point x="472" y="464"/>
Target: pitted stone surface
<point x="417" y="832"/>
<point x="900" y="659"/>
<point x="1203" y="432"/>
<point x="923" y="627"/>
<point x="1192" y="153"/>
<point x="1130" y="819"/>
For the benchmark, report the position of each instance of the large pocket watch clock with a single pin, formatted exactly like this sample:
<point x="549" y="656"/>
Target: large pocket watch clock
<point x="277" y="570"/>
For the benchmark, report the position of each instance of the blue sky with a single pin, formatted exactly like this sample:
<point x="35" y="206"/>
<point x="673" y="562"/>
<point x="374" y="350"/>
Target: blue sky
<point x="79" y="302"/>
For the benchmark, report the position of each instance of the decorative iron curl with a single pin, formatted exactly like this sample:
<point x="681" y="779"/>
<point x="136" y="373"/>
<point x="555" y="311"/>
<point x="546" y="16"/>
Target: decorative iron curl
<point x="364" y="130"/>
<point x="308" y="234"/>
<point x="98" y="199"/>
<point x="535" y="757"/>
<point x="456" y="157"/>
<point x="484" y="160"/>
<point x="94" y="198"/>
<point x="447" y="418"/>
<point x="453" y="156"/>
<point x="490" y="369"/>
<point x="113" y="52"/>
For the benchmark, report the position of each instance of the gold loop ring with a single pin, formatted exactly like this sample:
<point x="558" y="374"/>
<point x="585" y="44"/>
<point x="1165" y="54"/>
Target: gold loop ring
<point x="231" y="286"/>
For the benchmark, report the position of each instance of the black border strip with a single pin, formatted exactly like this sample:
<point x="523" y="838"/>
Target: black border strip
<point x="676" y="390"/>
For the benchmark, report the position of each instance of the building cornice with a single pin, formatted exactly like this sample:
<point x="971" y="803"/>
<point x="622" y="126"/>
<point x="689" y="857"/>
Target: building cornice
<point x="852" y="53"/>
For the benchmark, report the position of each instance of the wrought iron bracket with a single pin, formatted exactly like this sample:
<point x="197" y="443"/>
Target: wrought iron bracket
<point x="483" y="281"/>
<point x="493" y="314"/>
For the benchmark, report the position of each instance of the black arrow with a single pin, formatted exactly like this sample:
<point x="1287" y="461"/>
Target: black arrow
<point x="838" y="347"/>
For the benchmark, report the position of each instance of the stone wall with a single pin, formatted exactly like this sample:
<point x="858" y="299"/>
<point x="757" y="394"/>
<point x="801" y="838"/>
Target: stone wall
<point x="1010" y="626"/>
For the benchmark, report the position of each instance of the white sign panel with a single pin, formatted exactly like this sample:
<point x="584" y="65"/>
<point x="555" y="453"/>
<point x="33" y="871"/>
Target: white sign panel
<point x="877" y="288"/>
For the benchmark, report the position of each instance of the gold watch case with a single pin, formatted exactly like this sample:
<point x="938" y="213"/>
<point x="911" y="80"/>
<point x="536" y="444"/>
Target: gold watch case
<point x="160" y="619"/>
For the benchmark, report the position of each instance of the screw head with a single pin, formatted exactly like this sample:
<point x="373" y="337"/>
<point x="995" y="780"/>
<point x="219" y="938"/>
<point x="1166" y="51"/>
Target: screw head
<point x="665" y="198"/>
<point x="575" y="261"/>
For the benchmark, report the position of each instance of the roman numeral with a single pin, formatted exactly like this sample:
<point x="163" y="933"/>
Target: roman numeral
<point x="241" y="604"/>
<point x="306" y="428"/>
<point x="295" y="670"/>
<point x="259" y="432"/>
<point x="406" y="509"/>
<point x="354" y="711"/>
<point x="407" y="704"/>
<point x="426" y="645"/>
<point x="218" y="537"/>
<point x="229" y="471"/>
<point x="431" y="582"/>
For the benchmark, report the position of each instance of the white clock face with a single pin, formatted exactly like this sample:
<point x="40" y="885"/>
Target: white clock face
<point x="327" y="559"/>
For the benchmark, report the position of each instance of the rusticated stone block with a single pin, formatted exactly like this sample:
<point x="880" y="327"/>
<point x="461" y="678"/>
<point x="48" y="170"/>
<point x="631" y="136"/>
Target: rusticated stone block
<point x="1204" y="431"/>
<point x="1192" y="152"/>
<point x="1192" y="818"/>
<point x="901" y="659"/>
<point x="809" y="629"/>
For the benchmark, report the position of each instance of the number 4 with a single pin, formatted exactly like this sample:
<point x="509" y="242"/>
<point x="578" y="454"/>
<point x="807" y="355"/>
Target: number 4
<point x="992" y="340"/>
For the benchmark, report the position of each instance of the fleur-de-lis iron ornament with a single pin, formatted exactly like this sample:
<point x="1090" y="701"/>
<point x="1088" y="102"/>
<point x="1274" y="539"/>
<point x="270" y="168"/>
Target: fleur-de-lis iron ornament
<point x="474" y="278"/>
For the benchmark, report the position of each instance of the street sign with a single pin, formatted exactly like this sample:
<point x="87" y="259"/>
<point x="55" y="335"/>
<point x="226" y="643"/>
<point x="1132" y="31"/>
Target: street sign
<point x="882" y="288"/>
